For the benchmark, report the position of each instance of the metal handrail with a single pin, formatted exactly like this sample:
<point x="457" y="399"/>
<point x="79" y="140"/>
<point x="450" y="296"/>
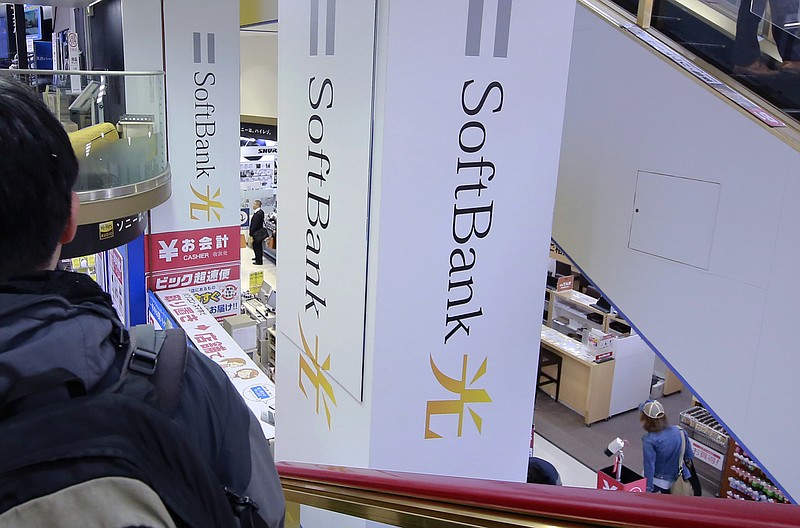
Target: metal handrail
<point x="415" y="499"/>
<point x="84" y="72"/>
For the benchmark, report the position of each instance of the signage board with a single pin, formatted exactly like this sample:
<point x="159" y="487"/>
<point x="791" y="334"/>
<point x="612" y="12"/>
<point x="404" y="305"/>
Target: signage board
<point x="323" y="234"/>
<point x="565" y="283"/>
<point x="203" y="330"/>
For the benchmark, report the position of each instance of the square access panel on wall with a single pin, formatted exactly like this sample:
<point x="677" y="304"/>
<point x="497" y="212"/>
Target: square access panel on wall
<point x="674" y="218"/>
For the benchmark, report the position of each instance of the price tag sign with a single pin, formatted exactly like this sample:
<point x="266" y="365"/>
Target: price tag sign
<point x="707" y="455"/>
<point x="565" y="283"/>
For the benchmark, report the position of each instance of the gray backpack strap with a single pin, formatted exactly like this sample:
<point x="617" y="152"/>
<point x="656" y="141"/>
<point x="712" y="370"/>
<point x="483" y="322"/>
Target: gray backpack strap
<point x="160" y="356"/>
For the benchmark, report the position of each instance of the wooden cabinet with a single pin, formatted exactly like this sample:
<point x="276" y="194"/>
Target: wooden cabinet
<point x="585" y="386"/>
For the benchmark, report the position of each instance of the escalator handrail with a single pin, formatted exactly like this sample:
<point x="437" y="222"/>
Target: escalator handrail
<point x="562" y="503"/>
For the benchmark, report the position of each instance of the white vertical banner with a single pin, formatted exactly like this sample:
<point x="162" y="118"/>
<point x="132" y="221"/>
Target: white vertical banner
<point x="464" y="232"/>
<point x="197" y="228"/>
<point x="325" y="90"/>
<point x="468" y="105"/>
<point x="201" y="43"/>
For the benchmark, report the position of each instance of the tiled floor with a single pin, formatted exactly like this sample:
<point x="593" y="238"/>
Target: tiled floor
<point x="248" y="268"/>
<point x="572" y="472"/>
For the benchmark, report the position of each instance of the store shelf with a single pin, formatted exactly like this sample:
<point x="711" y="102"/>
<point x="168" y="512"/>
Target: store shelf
<point x="743" y="479"/>
<point x="577" y="308"/>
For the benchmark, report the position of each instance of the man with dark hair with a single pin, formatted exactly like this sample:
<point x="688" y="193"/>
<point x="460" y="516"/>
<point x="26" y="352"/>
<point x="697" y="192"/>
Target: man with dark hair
<point x="256" y="227"/>
<point x="37" y="206"/>
<point x="61" y="320"/>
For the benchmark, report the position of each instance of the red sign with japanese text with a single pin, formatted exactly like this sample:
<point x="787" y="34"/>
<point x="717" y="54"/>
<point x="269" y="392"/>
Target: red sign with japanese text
<point x="188" y="249"/>
<point x="192" y="277"/>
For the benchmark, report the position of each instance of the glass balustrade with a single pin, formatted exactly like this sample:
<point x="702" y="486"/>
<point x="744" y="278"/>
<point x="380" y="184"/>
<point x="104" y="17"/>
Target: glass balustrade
<point x="116" y="123"/>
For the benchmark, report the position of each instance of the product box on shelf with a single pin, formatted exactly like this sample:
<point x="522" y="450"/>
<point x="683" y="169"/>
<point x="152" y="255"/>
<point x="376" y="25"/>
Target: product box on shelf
<point x="599" y="345"/>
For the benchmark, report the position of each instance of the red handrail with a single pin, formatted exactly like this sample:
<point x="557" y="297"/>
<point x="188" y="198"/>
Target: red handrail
<point x="556" y="502"/>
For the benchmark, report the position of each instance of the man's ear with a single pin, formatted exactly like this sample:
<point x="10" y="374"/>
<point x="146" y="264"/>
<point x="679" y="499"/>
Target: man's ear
<point x="72" y="223"/>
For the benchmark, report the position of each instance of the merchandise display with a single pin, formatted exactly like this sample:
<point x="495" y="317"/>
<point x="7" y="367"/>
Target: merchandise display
<point x="724" y="462"/>
<point x="258" y="180"/>
<point x="745" y="480"/>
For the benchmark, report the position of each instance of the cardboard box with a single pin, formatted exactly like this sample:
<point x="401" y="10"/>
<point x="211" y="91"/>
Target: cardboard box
<point x="243" y="330"/>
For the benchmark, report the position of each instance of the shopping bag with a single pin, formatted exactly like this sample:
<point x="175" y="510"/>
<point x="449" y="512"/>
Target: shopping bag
<point x="682" y="486"/>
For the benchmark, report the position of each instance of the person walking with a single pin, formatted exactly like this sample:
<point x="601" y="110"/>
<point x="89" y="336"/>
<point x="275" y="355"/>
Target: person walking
<point x="661" y="448"/>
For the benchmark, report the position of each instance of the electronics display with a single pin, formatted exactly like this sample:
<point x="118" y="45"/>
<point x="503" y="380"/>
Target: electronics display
<point x="602" y="304"/>
<point x="85" y="99"/>
<point x="33" y="22"/>
<point x="43" y="55"/>
<point x="272" y="300"/>
<point x="5" y="48"/>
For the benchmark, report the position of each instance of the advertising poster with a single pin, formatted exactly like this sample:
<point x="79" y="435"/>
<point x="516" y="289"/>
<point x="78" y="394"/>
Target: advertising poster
<point x="116" y="283"/>
<point x="202" y="329"/>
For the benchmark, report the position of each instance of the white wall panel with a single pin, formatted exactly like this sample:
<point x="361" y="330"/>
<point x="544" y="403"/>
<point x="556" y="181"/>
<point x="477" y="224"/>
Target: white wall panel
<point x="259" y="65"/>
<point x="727" y="330"/>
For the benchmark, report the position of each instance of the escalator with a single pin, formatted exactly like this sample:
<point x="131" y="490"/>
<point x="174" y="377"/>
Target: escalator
<point x="708" y="30"/>
<point x="676" y="197"/>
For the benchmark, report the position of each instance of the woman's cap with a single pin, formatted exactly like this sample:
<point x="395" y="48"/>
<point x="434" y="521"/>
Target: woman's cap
<point x="652" y="409"/>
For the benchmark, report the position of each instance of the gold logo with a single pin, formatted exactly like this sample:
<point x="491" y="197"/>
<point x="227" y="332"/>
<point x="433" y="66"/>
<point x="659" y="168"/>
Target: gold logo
<point x="209" y="204"/>
<point x="315" y="374"/>
<point x="106" y="230"/>
<point x="465" y="397"/>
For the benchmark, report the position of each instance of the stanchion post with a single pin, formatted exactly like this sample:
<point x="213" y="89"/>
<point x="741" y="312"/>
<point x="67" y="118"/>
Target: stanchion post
<point x="644" y="13"/>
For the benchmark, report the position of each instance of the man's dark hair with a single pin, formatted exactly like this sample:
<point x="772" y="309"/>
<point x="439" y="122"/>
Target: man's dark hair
<point x="38" y="169"/>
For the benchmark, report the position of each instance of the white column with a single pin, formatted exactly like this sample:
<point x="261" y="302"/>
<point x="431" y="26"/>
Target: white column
<point x="419" y="149"/>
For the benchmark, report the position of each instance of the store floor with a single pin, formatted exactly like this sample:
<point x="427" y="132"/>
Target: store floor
<point x="248" y="268"/>
<point x="573" y="472"/>
<point x="565" y="428"/>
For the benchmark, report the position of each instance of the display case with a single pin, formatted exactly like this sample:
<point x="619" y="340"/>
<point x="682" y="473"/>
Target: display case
<point x="573" y="313"/>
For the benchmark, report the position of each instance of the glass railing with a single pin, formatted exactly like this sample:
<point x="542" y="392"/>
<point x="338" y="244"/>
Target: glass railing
<point x="116" y="123"/>
<point x="753" y="41"/>
<point x="319" y="495"/>
<point x="780" y="22"/>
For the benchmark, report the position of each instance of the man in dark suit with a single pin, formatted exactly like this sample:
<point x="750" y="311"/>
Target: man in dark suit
<point x="256" y="223"/>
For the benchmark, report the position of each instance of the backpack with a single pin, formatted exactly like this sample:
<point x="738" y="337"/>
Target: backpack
<point x="113" y="458"/>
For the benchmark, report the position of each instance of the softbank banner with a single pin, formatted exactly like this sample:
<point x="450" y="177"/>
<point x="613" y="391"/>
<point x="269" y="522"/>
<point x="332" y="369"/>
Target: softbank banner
<point x="464" y="228"/>
<point x="196" y="230"/>
<point x="465" y="220"/>
<point x="325" y="104"/>
<point x="202" y="65"/>
<point x="455" y="186"/>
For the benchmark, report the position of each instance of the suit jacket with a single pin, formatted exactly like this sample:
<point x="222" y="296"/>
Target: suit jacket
<point x="257" y="222"/>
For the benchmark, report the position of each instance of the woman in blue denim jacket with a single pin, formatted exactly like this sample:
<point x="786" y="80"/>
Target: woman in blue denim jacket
<point x="661" y="448"/>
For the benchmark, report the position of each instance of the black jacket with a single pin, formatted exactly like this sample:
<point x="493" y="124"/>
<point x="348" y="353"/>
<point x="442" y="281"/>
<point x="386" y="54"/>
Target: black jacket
<point x="61" y="319"/>
<point x="257" y="222"/>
